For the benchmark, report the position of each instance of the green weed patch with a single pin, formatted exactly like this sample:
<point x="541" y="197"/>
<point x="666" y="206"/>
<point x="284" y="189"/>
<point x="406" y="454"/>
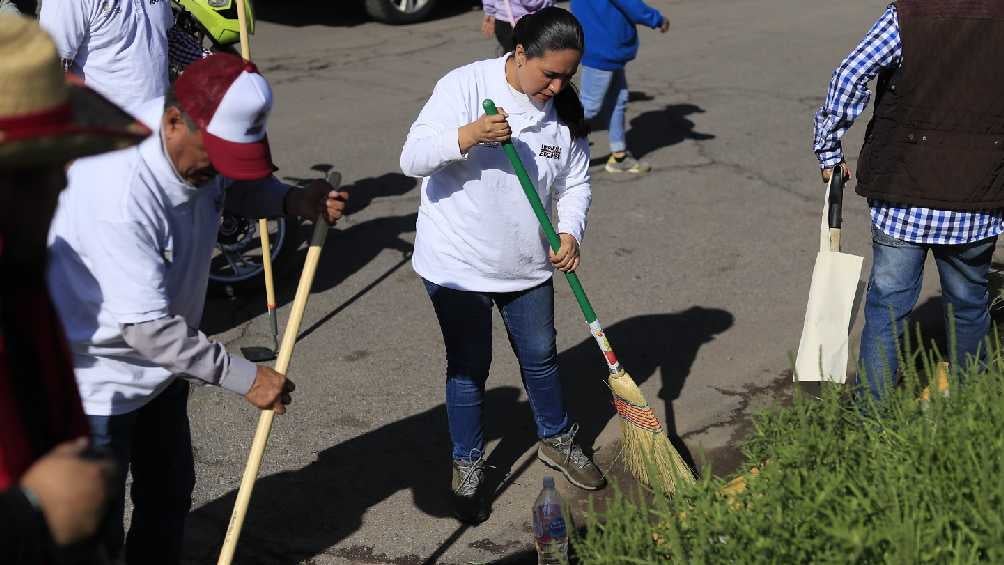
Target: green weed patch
<point x="902" y="481"/>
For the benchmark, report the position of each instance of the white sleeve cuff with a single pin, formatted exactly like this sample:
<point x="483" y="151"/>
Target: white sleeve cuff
<point x="156" y="312"/>
<point x="449" y="146"/>
<point x="576" y="230"/>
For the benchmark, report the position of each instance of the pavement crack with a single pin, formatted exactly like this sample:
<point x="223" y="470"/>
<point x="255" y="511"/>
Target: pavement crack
<point x="746" y="171"/>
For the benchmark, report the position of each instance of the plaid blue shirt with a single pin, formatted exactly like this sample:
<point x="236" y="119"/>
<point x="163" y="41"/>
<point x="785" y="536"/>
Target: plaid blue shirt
<point x="847" y="98"/>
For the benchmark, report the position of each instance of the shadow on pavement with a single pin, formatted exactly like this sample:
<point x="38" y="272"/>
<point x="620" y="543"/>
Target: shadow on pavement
<point x="666" y="344"/>
<point x="930" y="316"/>
<point x="347" y="250"/>
<point x="298" y="514"/>
<point x="655" y="129"/>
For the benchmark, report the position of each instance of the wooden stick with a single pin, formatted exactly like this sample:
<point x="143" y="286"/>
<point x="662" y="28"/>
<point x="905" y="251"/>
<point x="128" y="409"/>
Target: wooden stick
<point x="266" y="246"/>
<point x="835" y="239"/>
<point x="265" y="420"/>
<point x="242" y="21"/>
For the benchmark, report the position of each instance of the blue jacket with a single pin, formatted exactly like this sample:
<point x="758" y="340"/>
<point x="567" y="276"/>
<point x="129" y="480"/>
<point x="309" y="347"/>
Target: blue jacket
<point x="609" y="25"/>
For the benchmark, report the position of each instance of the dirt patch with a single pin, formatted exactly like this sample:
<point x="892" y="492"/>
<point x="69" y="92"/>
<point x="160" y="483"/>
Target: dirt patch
<point x="496" y="548"/>
<point x="364" y="554"/>
<point x="356" y="356"/>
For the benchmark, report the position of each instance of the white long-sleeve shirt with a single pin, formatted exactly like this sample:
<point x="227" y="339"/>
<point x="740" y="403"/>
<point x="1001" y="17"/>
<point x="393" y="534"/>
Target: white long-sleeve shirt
<point x="476" y="230"/>
<point x="129" y="257"/>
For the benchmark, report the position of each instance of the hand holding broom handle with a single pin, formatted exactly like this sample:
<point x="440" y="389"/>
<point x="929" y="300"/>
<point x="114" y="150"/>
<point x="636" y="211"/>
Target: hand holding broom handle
<point x="555" y="241"/>
<point x="281" y="366"/>
<point x="646" y="448"/>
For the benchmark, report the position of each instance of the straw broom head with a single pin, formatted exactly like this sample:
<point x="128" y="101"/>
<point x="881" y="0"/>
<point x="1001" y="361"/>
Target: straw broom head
<point x="647" y="452"/>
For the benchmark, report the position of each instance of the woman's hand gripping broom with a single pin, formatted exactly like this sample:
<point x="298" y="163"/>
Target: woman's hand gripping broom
<point x="647" y="451"/>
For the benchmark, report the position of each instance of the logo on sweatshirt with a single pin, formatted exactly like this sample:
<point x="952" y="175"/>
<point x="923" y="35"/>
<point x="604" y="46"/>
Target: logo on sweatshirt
<point x="111" y="8"/>
<point x="550" y="151"/>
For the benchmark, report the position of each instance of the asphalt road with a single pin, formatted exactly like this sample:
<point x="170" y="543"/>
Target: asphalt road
<point x="700" y="270"/>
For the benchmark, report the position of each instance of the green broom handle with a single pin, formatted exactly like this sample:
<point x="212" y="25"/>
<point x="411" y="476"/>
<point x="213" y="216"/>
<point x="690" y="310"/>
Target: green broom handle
<point x="541" y="213"/>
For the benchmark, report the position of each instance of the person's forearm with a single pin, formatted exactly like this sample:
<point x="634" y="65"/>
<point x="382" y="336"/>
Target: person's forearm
<point x="258" y="199"/>
<point x="640" y="13"/>
<point x="427" y="150"/>
<point x="172" y="344"/>
<point x="573" y="191"/>
<point x="848" y="93"/>
<point x="573" y="208"/>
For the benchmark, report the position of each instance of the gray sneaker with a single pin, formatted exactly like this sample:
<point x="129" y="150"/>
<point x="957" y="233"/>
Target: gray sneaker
<point x="468" y="497"/>
<point x="627" y="165"/>
<point x="562" y="453"/>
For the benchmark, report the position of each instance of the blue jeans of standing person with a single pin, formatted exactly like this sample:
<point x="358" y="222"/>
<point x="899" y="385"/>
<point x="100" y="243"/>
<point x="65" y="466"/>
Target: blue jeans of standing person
<point x="893" y="289"/>
<point x="155" y="442"/>
<point x="604" y="94"/>
<point x="466" y="320"/>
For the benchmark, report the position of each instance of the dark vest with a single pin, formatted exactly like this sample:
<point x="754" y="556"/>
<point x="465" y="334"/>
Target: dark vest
<point x="937" y="136"/>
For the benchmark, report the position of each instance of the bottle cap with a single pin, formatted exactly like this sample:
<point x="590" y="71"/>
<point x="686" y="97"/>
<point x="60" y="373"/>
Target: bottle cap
<point x="548" y="481"/>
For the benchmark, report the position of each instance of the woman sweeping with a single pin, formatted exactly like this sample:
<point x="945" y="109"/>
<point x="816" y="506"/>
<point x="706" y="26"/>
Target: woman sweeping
<point x="478" y="243"/>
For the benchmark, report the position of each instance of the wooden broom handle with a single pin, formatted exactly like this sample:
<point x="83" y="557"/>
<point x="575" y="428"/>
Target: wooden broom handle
<point x="265" y="420"/>
<point x="281" y="366"/>
<point x="542" y="218"/>
<point x="242" y="21"/>
<point x="266" y="247"/>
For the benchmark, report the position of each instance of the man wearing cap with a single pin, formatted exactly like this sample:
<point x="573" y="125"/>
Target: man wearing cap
<point x="119" y="47"/>
<point x="52" y="497"/>
<point x="131" y="248"/>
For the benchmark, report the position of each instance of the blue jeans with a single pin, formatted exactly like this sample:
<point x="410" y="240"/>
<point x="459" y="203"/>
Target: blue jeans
<point x="894" y="287"/>
<point x="156" y="443"/>
<point x="466" y="321"/>
<point x="605" y="94"/>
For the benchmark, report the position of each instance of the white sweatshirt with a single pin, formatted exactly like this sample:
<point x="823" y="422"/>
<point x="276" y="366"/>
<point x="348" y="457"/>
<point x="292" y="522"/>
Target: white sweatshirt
<point x="476" y="230"/>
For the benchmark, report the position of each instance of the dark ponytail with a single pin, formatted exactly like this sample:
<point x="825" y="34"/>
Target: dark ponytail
<point x="555" y="29"/>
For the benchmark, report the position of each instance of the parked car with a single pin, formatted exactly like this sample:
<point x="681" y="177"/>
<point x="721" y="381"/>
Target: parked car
<point x="400" y="11"/>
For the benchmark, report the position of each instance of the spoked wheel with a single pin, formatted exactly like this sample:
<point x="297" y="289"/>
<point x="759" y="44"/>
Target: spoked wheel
<point x="237" y="258"/>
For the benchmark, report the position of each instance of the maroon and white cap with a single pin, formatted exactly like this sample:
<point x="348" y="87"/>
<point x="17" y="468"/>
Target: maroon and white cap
<point x="230" y="101"/>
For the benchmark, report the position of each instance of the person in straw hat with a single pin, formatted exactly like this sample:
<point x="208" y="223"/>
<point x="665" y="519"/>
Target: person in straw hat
<point x="131" y="247"/>
<point x="52" y="496"/>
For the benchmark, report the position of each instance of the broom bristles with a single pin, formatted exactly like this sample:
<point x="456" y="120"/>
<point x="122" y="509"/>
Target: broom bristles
<point x="647" y="452"/>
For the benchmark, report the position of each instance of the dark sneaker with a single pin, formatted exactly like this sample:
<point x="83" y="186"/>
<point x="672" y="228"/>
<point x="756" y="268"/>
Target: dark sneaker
<point x="627" y="164"/>
<point x="562" y="453"/>
<point x="469" y="504"/>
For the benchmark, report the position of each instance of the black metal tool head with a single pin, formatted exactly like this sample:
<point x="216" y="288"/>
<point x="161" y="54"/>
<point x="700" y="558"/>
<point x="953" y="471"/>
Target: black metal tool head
<point x="257" y="354"/>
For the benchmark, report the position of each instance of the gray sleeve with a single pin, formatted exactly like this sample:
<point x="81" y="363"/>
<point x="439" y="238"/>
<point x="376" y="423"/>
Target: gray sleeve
<point x="257" y="199"/>
<point x="182" y="350"/>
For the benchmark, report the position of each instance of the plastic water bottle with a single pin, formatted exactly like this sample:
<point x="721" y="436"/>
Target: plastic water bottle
<point x="549" y="531"/>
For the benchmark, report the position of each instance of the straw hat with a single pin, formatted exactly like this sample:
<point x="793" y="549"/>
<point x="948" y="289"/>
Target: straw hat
<point x="46" y="116"/>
